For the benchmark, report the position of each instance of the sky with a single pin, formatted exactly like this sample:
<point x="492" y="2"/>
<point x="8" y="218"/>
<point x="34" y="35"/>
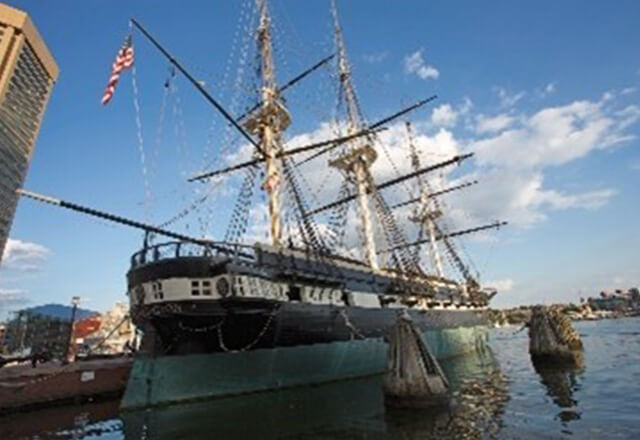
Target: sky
<point x="546" y="94"/>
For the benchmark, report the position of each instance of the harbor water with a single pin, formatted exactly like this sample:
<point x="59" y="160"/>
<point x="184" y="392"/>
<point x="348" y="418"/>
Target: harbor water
<point x="498" y="393"/>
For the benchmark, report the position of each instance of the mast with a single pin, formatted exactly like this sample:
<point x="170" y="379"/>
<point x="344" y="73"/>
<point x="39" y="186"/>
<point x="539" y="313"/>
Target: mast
<point x="428" y="212"/>
<point x="356" y="162"/>
<point x="269" y="121"/>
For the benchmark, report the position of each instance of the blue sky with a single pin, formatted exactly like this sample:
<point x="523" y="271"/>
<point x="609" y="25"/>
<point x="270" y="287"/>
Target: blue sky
<point x="546" y="94"/>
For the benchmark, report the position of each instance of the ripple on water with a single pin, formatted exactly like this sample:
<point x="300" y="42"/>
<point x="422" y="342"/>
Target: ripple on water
<point x="498" y="394"/>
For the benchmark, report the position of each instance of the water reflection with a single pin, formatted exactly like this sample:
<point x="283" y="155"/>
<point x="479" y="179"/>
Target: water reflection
<point x="338" y="410"/>
<point x="66" y="422"/>
<point x="561" y="380"/>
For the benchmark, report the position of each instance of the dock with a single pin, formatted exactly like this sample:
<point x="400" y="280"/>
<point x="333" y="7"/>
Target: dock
<point x="24" y="387"/>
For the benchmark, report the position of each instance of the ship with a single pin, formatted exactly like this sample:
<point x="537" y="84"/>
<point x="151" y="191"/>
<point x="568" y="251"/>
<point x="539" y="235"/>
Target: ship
<point x="227" y="317"/>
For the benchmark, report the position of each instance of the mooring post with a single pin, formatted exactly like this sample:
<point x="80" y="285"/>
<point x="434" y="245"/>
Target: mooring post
<point x="552" y="337"/>
<point x="414" y="378"/>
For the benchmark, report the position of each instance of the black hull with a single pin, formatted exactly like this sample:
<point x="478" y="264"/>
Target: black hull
<point x="243" y="324"/>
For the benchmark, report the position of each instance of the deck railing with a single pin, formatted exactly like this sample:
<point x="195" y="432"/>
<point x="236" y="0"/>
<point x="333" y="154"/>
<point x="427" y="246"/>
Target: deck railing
<point x="177" y="249"/>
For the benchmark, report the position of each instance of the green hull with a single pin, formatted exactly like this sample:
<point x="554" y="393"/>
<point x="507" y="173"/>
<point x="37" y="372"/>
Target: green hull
<point x="170" y="379"/>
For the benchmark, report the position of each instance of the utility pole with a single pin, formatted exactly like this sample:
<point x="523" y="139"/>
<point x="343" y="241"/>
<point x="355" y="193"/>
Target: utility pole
<point x="74" y="302"/>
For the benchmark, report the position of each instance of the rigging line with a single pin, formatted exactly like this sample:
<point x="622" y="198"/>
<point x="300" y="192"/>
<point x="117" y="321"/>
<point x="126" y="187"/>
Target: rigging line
<point x="434" y="194"/>
<point x="455" y="159"/>
<point x="225" y="79"/>
<point x="118" y="219"/>
<point x="145" y="177"/>
<point x="441" y="235"/>
<point x="198" y="86"/>
<point x="284" y="153"/>
<point x="288" y="84"/>
<point x="245" y="29"/>
<point x="190" y="208"/>
<point x="160" y="129"/>
<point x="378" y="124"/>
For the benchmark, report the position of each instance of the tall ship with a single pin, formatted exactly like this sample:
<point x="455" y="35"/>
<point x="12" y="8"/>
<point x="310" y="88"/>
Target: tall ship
<point x="303" y="307"/>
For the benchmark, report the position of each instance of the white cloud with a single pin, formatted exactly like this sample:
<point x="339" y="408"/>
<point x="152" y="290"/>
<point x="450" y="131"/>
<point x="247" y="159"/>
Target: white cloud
<point x="466" y="105"/>
<point x="504" y="285"/>
<point x="11" y="298"/>
<point x="618" y="280"/>
<point x="508" y="99"/>
<point x="547" y="90"/>
<point x="444" y="116"/>
<point x="628" y="90"/>
<point x="415" y="64"/>
<point x="377" y="57"/>
<point x="557" y="135"/>
<point x="23" y="256"/>
<point x="512" y="157"/>
<point x="493" y="124"/>
<point x="518" y="196"/>
<point x="550" y="88"/>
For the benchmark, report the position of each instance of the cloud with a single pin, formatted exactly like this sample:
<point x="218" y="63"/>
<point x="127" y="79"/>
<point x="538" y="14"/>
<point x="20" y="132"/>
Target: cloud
<point x="10" y="298"/>
<point x="492" y="124"/>
<point x="504" y="285"/>
<point x="547" y="90"/>
<point x="513" y="152"/>
<point x="377" y="57"/>
<point x="444" y="116"/>
<point x="23" y="256"/>
<point x="628" y="90"/>
<point x="557" y="135"/>
<point x="518" y="196"/>
<point x="508" y="99"/>
<point x="415" y="64"/>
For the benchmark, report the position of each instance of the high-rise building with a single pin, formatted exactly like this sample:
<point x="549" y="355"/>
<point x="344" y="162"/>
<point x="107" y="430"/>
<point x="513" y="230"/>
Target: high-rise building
<point x="27" y="74"/>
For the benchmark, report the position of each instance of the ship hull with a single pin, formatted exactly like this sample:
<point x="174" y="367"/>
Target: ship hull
<point x="217" y="326"/>
<point x="302" y="345"/>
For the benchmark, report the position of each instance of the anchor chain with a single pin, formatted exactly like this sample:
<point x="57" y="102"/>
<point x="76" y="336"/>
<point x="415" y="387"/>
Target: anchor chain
<point x="250" y="345"/>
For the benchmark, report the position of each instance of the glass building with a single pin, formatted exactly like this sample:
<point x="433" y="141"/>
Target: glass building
<point x="27" y="74"/>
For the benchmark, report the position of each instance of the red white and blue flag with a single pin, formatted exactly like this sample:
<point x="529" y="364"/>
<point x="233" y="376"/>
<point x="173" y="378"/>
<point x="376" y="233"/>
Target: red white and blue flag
<point x="124" y="60"/>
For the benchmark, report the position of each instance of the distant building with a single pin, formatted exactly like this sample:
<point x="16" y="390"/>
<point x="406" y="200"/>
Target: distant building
<point x="27" y="74"/>
<point x="116" y="330"/>
<point x="43" y="328"/>
<point x="617" y="301"/>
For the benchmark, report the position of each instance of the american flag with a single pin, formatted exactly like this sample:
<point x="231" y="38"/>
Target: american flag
<point x="124" y="60"/>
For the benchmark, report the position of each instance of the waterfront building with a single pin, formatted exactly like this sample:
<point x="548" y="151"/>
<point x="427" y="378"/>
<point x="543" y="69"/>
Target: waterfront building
<point x="617" y="301"/>
<point x="42" y="329"/>
<point x="27" y="75"/>
<point x="116" y="331"/>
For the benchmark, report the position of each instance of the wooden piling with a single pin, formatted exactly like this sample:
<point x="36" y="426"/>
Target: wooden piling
<point x="552" y="337"/>
<point x="414" y="378"/>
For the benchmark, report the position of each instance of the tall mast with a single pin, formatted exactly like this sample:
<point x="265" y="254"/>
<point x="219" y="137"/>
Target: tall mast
<point x="428" y="211"/>
<point x="269" y="121"/>
<point x="356" y="162"/>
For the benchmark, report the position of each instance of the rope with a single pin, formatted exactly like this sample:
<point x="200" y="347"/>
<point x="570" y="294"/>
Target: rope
<point x="122" y="321"/>
<point x="145" y="177"/>
<point x="352" y="328"/>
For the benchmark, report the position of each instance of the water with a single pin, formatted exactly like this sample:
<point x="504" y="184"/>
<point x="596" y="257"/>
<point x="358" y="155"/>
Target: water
<point x="498" y="394"/>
